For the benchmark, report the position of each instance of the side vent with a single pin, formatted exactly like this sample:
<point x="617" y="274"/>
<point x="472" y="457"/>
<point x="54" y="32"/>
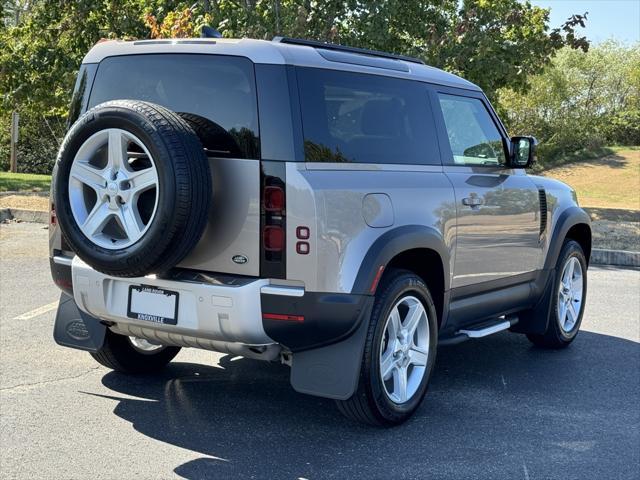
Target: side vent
<point x="542" y="195"/>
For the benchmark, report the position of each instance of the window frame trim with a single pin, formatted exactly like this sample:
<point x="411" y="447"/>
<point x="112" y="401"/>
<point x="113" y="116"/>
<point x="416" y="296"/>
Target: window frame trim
<point x="441" y="128"/>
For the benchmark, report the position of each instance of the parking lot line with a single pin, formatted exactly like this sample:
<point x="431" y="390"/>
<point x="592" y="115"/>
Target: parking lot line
<point x="37" y="311"/>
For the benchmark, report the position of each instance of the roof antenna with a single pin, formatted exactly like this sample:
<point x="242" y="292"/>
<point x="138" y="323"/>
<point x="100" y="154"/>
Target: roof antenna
<point x="209" y="32"/>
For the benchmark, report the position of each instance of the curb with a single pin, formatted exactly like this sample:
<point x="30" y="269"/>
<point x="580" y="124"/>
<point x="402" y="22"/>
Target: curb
<point x="621" y="258"/>
<point x="32" y="216"/>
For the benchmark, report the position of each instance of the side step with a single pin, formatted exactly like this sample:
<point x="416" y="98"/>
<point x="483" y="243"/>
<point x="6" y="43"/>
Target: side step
<point x="482" y="330"/>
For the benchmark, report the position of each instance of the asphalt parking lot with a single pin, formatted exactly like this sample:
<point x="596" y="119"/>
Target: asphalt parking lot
<point x="497" y="407"/>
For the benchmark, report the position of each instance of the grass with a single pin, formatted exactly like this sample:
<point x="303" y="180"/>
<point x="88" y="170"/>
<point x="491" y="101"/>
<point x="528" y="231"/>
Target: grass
<point x="11" y="182"/>
<point x="611" y="181"/>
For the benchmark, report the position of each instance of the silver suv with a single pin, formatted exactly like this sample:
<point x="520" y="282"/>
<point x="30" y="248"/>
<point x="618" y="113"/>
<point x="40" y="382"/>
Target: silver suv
<point x="340" y="210"/>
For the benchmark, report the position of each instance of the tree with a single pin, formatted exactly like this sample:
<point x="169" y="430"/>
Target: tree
<point x="581" y="100"/>
<point x="495" y="43"/>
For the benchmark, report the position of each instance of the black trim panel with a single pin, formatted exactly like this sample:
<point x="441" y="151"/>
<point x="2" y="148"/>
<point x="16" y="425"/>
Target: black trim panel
<point x="328" y="318"/>
<point x="493" y="285"/>
<point x="272" y="264"/>
<point x="475" y="304"/>
<point x="61" y="275"/>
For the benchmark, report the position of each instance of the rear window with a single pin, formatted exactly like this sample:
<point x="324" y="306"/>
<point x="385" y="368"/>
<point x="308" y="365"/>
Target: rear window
<point x="218" y="88"/>
<point x="351" y="117"/>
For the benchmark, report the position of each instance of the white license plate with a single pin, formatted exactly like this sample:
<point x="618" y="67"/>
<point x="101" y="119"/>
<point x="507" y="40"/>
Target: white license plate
<point x="153" y="304"/>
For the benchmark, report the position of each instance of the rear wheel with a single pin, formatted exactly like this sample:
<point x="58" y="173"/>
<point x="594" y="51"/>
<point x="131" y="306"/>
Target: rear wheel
<point x="569" y="296"/>
<point x="133" y="355"/>
<point x="399" y="353"/>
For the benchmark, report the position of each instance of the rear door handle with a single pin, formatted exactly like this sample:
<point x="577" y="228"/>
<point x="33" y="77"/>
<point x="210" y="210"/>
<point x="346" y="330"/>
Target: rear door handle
<point x="472" y="201"/>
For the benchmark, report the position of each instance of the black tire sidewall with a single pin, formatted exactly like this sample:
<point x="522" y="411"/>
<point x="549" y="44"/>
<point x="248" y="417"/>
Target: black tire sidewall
<point x="399" y="286"/>
<point x="119" y="354"/>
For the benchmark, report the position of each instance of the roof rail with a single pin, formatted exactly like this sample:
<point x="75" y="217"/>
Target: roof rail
<point x="342" y="48"/>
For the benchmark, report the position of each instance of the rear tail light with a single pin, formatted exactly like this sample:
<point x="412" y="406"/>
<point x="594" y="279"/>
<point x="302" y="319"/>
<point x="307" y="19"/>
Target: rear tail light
<point x="273" y="238"/>
<point x="273" y="221"/>
<point x="274" y="200"/>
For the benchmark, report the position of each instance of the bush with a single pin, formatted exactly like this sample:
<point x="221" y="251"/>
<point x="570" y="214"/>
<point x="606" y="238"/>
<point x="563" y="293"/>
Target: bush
<point x="622" y="128"/>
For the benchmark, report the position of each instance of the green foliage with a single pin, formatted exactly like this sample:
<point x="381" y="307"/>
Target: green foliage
<point x="11" y="182"/>
<point x="582" y="100"/>
<point x="494" y="43"/>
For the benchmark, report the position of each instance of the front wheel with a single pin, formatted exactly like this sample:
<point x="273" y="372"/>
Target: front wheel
<point x="569" y="298"/>
<point x="133" y="355"/>
<point x="399" y="354"/>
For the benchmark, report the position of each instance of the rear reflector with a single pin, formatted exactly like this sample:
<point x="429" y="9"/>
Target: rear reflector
<point x="283" y="317"/>
<point x="376" y="279"/>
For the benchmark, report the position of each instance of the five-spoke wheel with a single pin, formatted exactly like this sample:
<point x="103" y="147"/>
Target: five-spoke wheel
<point x="405" y="349"/>
<point x="113" y="188"/>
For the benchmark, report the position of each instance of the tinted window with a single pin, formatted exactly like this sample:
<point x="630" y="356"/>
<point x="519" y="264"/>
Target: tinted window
<point x="350" y="117"/>
<point x="219" y="88"/>
<point x="473" y="136"/>
<point x="80" y="97"/>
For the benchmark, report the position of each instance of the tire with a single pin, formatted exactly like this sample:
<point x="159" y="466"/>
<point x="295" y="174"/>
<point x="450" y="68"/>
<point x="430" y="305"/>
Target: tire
<point x="175" y="207"/>
<point x="118" y="353"/>
<point x="373" y="403"/>
<point x="558" y="335"/>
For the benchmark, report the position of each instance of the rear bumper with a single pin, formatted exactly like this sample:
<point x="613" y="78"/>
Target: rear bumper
<point x="239" y="310"/>
<point x="229" y="313"/>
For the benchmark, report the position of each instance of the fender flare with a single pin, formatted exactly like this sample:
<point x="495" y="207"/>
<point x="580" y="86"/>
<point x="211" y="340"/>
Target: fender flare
<point x="568" y="218"/>
<point x="394" y="242"/>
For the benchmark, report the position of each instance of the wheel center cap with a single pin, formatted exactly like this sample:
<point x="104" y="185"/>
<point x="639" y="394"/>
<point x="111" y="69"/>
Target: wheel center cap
<point x="112" y="187"/>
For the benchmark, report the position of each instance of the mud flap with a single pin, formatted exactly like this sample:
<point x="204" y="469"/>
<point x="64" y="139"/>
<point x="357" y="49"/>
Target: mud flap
<point x="76" y="329"/>
<point x="332" y="371"/>
<point x="536" y="319"/>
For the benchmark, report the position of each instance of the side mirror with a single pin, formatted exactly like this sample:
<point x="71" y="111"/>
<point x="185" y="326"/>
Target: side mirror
<point x="523" y="152"/>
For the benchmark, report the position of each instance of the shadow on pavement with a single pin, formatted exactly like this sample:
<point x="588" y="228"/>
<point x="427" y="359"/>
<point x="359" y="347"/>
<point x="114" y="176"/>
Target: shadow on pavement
<point x="497" y="408"/>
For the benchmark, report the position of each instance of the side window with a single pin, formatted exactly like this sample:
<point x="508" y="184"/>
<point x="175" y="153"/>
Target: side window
<point x="218" y="89"/>
<point x="473" y="136"/>
<point x="360" y="118"/>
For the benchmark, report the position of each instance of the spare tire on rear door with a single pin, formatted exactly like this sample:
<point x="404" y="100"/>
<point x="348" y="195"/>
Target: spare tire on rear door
<point x="132" y="188"/>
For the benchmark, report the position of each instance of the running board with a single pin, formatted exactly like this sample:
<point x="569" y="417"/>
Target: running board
<point x="483" y="332"/>
<point x="500" y="324"/>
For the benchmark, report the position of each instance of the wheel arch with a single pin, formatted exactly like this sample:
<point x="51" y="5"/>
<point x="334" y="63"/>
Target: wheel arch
<point x="416" y="248"/>
<point x="427" y="264"/>
<point x="573" y="223"/>
<point x="581" y="233"/>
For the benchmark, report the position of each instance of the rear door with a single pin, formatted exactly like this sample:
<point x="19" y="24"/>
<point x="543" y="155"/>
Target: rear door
<point x="497" y="208"/>
<point x="221" y="91"/>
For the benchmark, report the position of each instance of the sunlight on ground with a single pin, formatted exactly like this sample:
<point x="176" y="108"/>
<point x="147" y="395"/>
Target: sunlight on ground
<point x="609" y="182"/>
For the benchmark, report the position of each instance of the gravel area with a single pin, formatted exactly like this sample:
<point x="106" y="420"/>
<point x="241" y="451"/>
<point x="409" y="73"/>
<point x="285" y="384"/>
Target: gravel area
<point x="25" y="202"/>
